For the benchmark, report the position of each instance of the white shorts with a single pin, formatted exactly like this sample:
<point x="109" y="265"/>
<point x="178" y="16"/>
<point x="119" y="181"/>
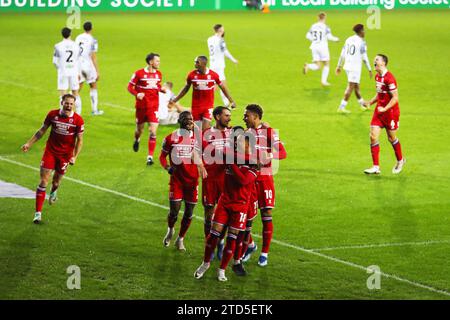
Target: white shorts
<point x="220" y="72"/>
<point x="88" y="73"/>
<point x="353" y="76"/>
<point x="320" y="54"/>
<point x="172" y="118"/>
<point x="68" y="83"/>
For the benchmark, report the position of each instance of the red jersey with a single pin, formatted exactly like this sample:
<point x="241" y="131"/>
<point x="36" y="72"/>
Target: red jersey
<point x="238" y="189"/>
<point x="267" y="140"/>
<point x="214" y="142"/>
<point x="203" y="86"/>
<point x="385" y="84"/>
<point x="64" y="131"/>
<point x="180" y="148"/>
<point x="148" y="82"/>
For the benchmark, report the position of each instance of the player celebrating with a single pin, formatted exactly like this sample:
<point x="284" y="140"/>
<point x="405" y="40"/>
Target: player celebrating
<point x="62" y="148"/>
<point x="203" y="81"/>
<point x="217" y="53"/>
<point x="319" y="34"/>
<point x="88" y="64"/>
<point x="353" y="53"/>
<point x="386" y="115"/>
<point x="269" y="147"/>
<point x="231" y="210"/>
<point x="214" y="142"/>
<point x="145" y="85"/>
<point x="66" y="61"/>
<point x="185" y="164"/>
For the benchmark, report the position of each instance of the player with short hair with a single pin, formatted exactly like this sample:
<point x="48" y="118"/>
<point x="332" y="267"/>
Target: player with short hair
<point x="353" y="53"/>
<point x="185" y="163"/>
<point x="217" y="52"/>
<point x="268" y="147"/>
<point x="319" y="34"/>
<point x="63" y="147"/>
<point x="203" y="81"/>
<point x="145" y="85"/>
<point x="89" y="71"/>
<point x="386" y="115"/>
<point x="231" y="211"/>
<point x="66" y="60"/>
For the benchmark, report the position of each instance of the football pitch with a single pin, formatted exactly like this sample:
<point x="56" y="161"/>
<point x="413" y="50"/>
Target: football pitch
<point x="331" y="221"/>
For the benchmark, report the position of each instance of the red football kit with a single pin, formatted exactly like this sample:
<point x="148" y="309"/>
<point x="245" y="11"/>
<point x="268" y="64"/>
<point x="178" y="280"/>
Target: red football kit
<point x="214" y="142"/>
<point x="184" y="179"/>
<point x="61" y="142"/>
<point x="386" y="84"/>
<point x="234" y="202"/>
<point x="150" y="84"/>
<point x="203" y="86"/>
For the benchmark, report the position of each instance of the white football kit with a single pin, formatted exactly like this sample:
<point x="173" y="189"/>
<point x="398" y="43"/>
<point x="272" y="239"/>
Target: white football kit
<point x="87" y="44"/>
<point x="217" y="53"/>
<point x="165" y="115"/>
<point x="354" y="53"/>
<point x="66" y="60"/>
<point x="319" y="34"/>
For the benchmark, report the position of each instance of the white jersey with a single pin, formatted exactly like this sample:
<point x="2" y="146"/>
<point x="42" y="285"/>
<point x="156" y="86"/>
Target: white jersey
<point x="88" y="44"/>
<point x="319" y="34"/>
<point x="66" y="58"/>
<point x="354" y="53"/>
<point x="217" y="52"/>
<point x="164" y="98"/>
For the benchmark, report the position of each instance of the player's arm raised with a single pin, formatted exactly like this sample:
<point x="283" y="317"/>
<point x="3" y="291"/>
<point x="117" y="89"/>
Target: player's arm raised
<point x="392" y="102"/>
<point x="35" y="137"/>
<point x="77" y="149"/>
<point x="224" y="89"/>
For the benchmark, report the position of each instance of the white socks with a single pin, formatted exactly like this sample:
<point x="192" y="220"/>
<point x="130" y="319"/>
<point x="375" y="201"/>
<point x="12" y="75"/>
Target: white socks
<point x="94" y="100"/>
<point x="361" y="102"/>
<point x="313" y="66"/>
<point x="78" y="105"/>
<point x="343" y="104"/>
<point x="325" y="72"/>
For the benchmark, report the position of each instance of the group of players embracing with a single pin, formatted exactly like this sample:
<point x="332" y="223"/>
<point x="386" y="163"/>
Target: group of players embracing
<point x="237" y="179"/>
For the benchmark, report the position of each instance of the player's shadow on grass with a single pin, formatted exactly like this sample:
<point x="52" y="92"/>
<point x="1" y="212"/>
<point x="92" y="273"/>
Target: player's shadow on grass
<point x="15" y="261"/>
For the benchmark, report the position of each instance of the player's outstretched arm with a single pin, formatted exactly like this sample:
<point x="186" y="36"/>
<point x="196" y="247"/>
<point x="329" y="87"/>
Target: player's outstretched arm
<point x="224" y="89"/>
<point x="182" y="93"/>
<point x="34" y="138"/>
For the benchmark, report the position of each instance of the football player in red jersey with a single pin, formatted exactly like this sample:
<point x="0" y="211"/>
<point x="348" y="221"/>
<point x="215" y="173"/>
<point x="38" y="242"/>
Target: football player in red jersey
<point x="231" y="211"/>
<point x="185" y="163"/>
<point x="203" y="81"/>
<point x="386" y="115"/>
<point x="62" y="148"/>
<point x="214" y="142"/>
<point x="268" y="147"/>
<point x="145" y="85"/>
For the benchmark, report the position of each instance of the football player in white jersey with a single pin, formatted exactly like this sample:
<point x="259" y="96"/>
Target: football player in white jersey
<point x="319" y="34"/>
<point x="217" y="53"/>
<point x="88" y="64"/>
<point x="66" y="60"/>
<point x="353" y="53"/>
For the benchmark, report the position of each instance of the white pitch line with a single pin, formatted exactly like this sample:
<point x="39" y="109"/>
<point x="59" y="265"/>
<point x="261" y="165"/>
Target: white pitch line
<point x="382" y="245"/>
<point x="281" y="243"/>
<point x="117" y="106"/>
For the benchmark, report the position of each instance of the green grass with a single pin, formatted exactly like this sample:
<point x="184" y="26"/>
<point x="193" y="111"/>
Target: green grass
<point x="323" y="198"/>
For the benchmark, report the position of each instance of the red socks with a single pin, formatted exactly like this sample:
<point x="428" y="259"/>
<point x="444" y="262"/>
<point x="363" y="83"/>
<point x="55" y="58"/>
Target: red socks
<point x="239" y="245"/>
<point x="397" y="149"/>
<point x="375" y="150"/>
<point x="228" y="251"/>
<point x="40" y="198"/>
<point x="151" y="145"/>
<point x="267" y="233"/>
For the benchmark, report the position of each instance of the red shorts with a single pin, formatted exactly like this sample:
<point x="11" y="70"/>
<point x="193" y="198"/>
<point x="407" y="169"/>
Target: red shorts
<point x="226" y="217"/>
<point x="212" y="188"/>
<point x="181" y="191"/>
<point x="55" y="162"/>
<point x="388" y="120"/>
<point x="252" y="207"/>
<point x="265" y="190"/>
<point x="202" y="113"/>
<point x="147" y="114"/>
